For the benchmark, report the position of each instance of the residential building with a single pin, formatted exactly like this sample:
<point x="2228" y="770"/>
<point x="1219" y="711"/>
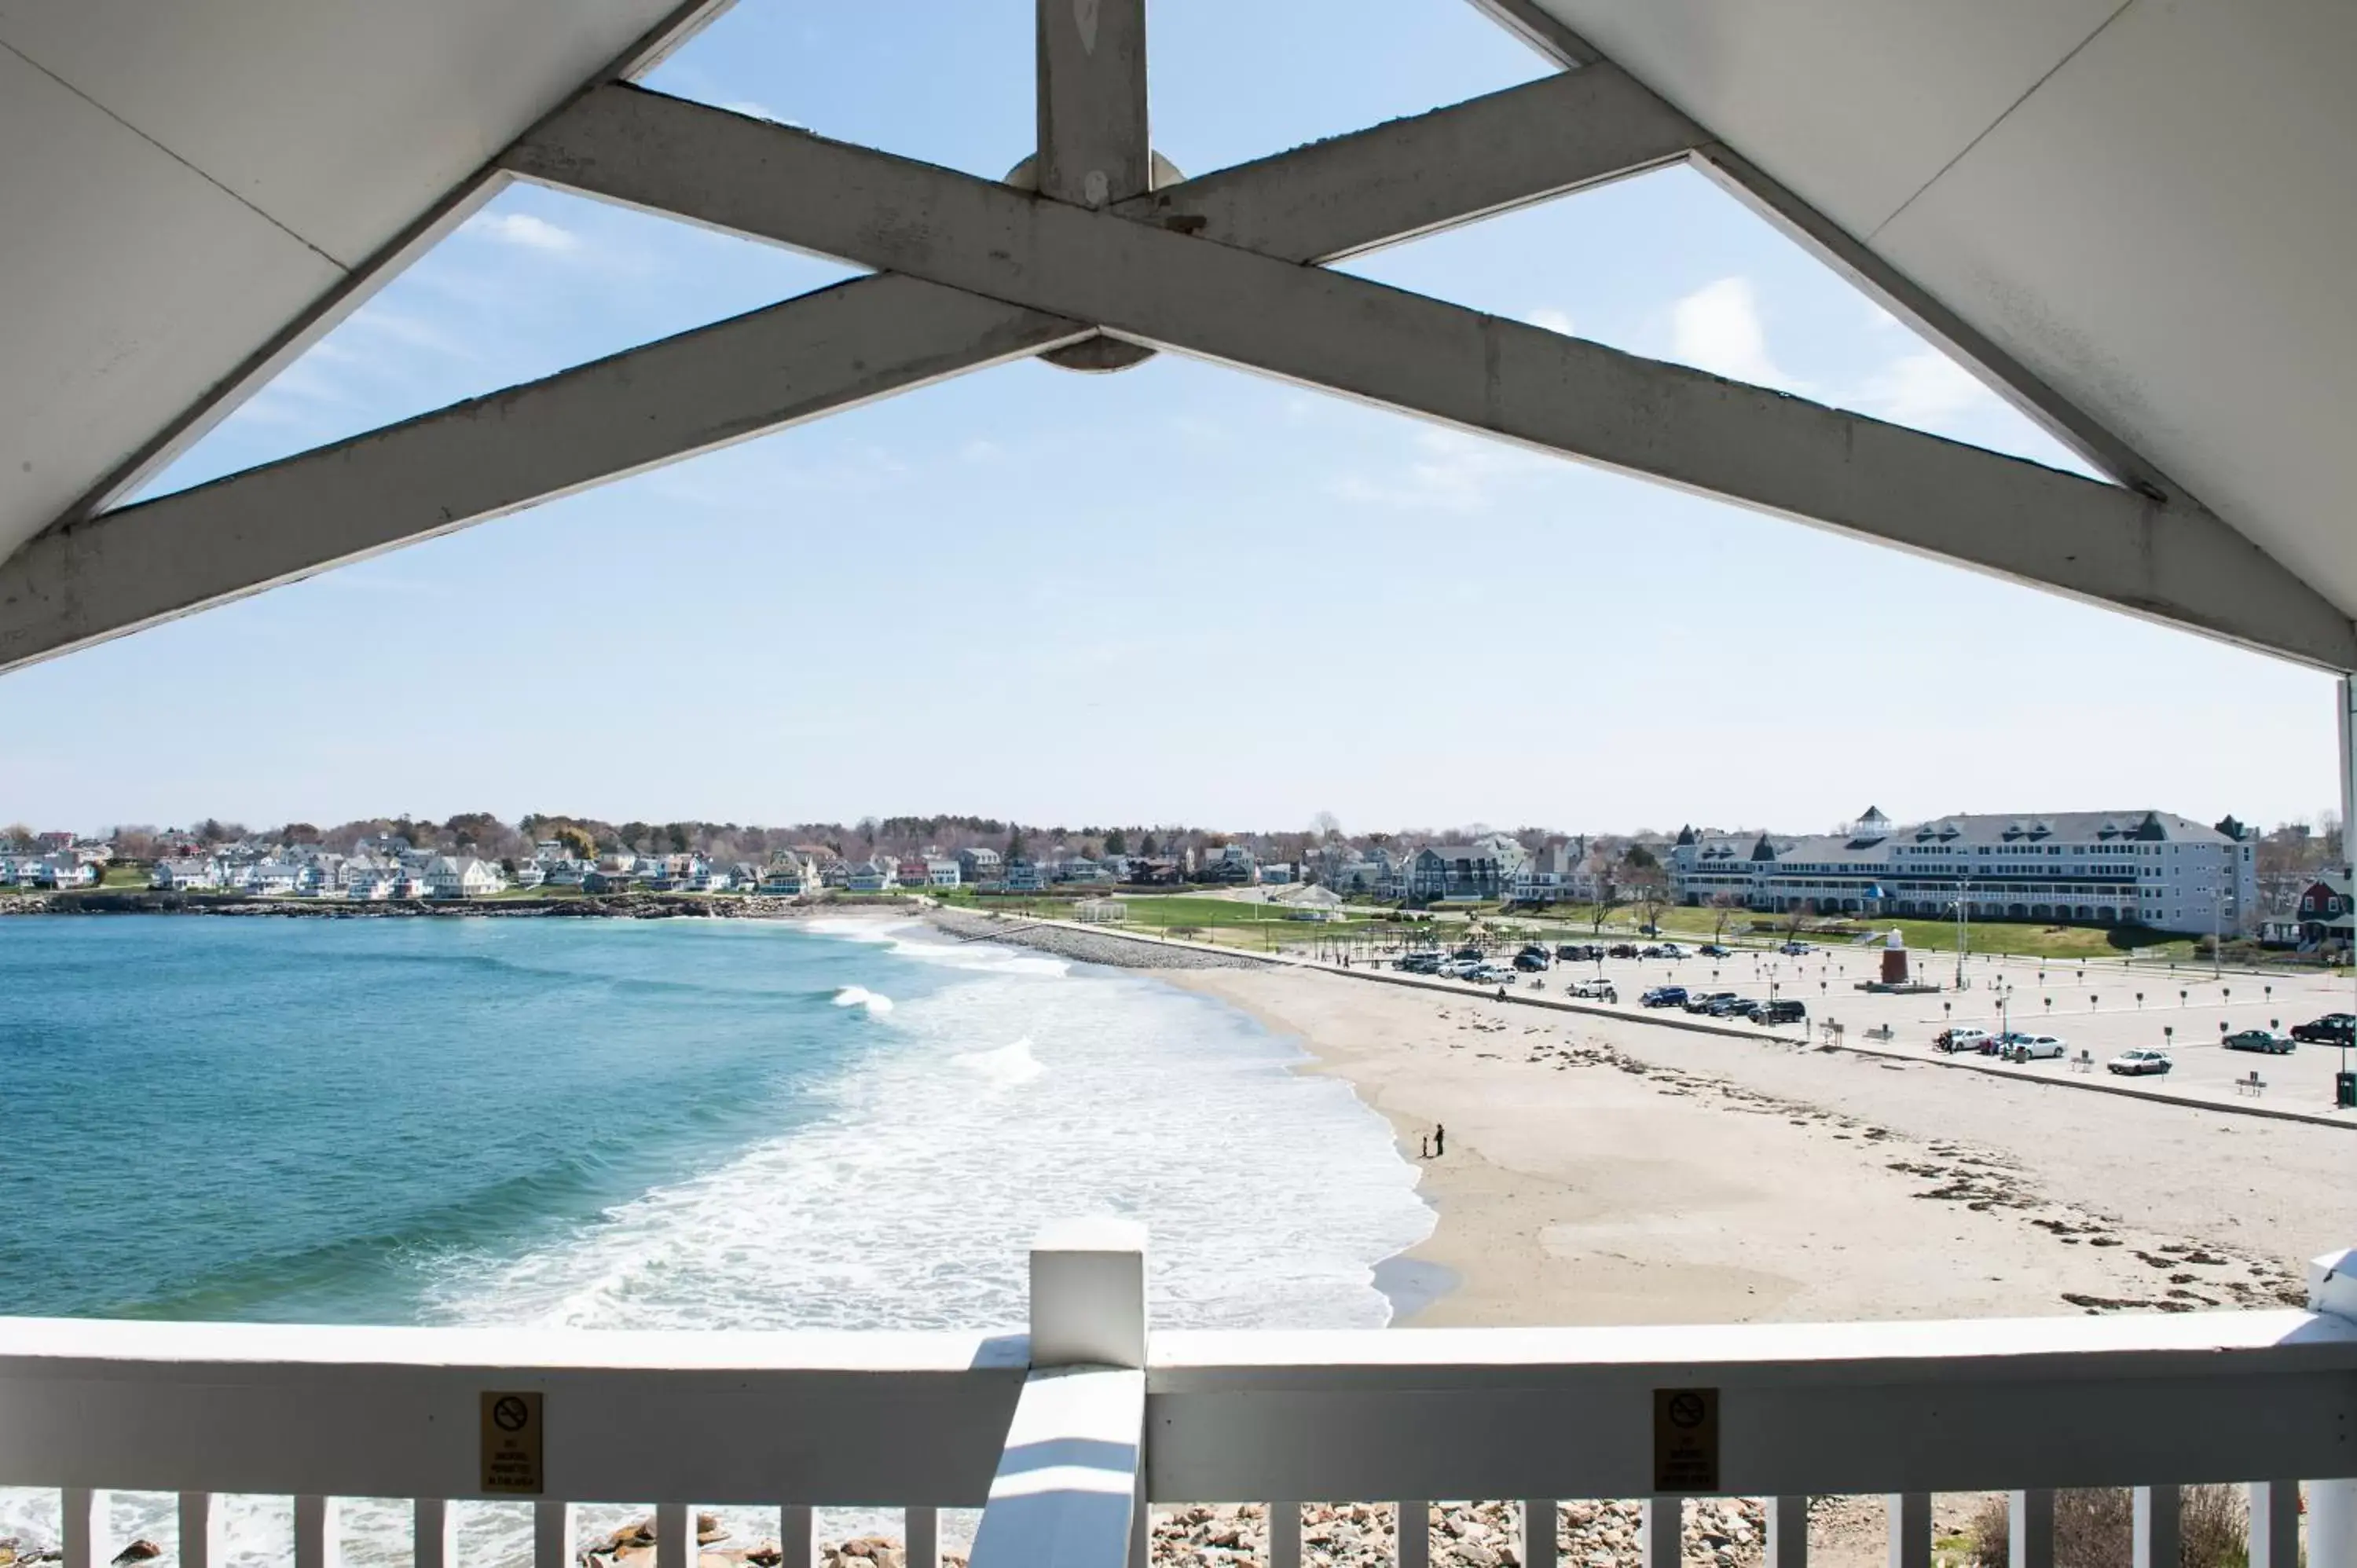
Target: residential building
<point x="2324" y="913"/>
<point x="1550" y="876"/>
<point x="1278" y="874"/>
<point x="1460" y="871"/>
<point x="871" y="875"/>
<point x="789" y="876"/>
<point x="941" y="871"/>
<point x="456" y="876"/>
<point x="530" y="874"/>
<point x="911" y="872"/>
<point x="186" y="874"/>
<point x="1022" y="876"/>
<point x="2135" y="867"/>
<point x="980" y="866"/>
<point x="567" y="873"/>
<point x="270" y="878"/>
<point x="1228" y="863"/>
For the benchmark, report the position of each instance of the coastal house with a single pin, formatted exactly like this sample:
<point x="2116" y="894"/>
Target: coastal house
<point x="567" y="873"/>
<point x="1278" y="874"/>
<point x="942" y="871"/>
<point x="1078" y="868"/>
<point x="1550" y="876"/>
<point x="1464" y="871"/>
<point x="980" y="866"/>
<point x="910" y="871"/>
<point x="186" y="874"/>
<point x="530" y="874"/>
<point x="457" y="876"/>
<point x="408" y="884"/>
<point x="2324" y="913"/>
<point x="1022" y="876"/>
<point x="601" y="880"/>
<point x="1228" y="863"/>
<point x="270" y="878"/>
<point x="60" y="870"/>
<point x="789" y="877"/>
<point x="870" y="876"/>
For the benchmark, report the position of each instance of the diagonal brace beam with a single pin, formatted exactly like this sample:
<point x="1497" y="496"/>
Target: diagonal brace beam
<point x="812" y="355"/>
<point x="2173" y="562"/>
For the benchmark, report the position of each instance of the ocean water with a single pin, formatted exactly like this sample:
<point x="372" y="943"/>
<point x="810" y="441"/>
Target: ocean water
<point x="674" y="1124"/>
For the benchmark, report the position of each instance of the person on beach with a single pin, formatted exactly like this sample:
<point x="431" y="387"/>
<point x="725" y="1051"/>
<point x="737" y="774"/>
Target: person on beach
<point x="1424" y="1147"/>
<point x="1439" y="1139"/>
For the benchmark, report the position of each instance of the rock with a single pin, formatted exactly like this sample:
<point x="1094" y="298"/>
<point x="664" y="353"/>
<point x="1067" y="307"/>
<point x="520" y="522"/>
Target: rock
<point x="139" y="1551"/>
<point x="707" y="1529"/>
<point x="767" y="1554"/>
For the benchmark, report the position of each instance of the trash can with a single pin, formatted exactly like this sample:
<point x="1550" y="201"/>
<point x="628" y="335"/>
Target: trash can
<point x="2344" y="1089"/>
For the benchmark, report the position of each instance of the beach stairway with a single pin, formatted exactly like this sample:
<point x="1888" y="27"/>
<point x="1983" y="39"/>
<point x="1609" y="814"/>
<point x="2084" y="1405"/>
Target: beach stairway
<point x="1060" y="1433"/>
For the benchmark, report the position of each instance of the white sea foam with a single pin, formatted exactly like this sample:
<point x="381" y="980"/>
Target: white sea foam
<point x="1006" y="1067"/>
<point x="860" y="997"/>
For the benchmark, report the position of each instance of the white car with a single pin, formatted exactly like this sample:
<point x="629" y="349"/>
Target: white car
<point x="2030" y="1048"/>
<point x="1963" y="1040"/>
<point x="1495" y="974"/>
<point x="2136" y="1063"/>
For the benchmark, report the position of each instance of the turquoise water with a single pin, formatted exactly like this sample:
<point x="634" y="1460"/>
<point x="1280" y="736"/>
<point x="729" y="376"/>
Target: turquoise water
<point x="673" y="1123"/>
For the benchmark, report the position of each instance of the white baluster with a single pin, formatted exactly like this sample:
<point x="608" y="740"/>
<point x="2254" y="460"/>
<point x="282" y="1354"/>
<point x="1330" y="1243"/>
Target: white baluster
<point x="796" y="1537"/>
<point x="551" y="1535"/>
<point x="2275" y="1524"/>
<point x="923" y="1530"/>
<point x="1415" y="1535"/>
<point x="89" y="1540"/>
<point x="1788" y="1533"/>
<point x="1665" y="1528"/>
<point x="2029" y="1530"/>
<point x="2156" y="1527"/>
<point x="1540" y="1523"/>
<point x="674" y="1536"/>
<point x="200" y="1531"/>
<point x="2331" y="1524"/>
<point x="319" y="1532"/>
<point x="432" y="1534"/>
<point x="1910" y="1529"/>
<point x="1284" y="1535"/>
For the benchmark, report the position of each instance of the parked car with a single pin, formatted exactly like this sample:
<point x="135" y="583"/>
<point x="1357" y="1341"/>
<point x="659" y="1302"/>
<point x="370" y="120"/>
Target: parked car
<point x="2136" y="1063"/>
<point x="1732" y="1007"/>
<point x="2332" y="1029"/>
<point x="1712" y="950"/>
<point x="1664" y="996"/>
<point x="1701" y="1002"/>
<point x="1783" y="1010"/>
<point x="1577" y="952"/>
<point x="2034" y="1048"/>
<point x="1650" y="950"/>
<point x="1530" y="962"/>
<point x="1671" y="950"/>
<point x="1793" y="950"/>
<point x="1493" y="974"/>
<point x="1418" y="963"/>
<point x="1961" y="1040"/>
<point x="1620" y="950"/>
<point x="2266" y="1041"/>
<point x="1596" y="990"/>
<point x="1470" y="954"/>
<point x="1455" y="968"/>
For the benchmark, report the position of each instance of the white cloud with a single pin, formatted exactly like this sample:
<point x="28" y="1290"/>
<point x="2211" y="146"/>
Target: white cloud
<point x="1924" y="388"/>
<point x="1716" y="329"/>
<point x="760" y="111"/>
<point x="523" y="230"/>
<point x="1553" y="320"/>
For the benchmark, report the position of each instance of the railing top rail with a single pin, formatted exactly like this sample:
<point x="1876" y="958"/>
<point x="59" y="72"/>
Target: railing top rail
<point x="33" y="1340"/>
<point x="2146" y="1344"/>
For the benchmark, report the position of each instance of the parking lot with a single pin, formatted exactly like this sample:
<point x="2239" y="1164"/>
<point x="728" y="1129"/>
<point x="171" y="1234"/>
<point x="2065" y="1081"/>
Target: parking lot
<point x="2101" y="1008"/>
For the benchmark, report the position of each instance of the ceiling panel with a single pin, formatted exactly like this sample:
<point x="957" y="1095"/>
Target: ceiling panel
<point x="2164" y="232"/>
<point x="136" y="285"/>
<point x="343" y="121"/>
<point x="1856" y="105"/>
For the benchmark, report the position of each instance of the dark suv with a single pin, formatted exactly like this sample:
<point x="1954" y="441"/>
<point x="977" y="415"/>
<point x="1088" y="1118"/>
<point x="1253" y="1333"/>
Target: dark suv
<point x="1664" y="996"/>
<point x="1783" y="1010"/>
<point x="2332" y="1029"/>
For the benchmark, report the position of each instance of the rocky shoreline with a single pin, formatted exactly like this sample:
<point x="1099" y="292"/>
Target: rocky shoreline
<point x="1084" y="947"/>
<point x="601" y="905"/>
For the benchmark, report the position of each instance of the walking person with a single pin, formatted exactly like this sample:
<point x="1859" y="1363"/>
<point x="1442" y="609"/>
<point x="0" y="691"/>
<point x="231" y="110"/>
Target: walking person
<point x="1439" y="1139"/>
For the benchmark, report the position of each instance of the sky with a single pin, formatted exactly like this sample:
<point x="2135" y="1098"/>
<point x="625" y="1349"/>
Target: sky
<point x="1176" y="594"/>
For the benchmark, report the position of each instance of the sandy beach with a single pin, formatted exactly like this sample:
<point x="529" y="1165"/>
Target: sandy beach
<point x="1601" y="1171"/>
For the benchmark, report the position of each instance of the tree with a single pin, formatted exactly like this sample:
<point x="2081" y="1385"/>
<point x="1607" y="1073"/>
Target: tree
<point x="1014" y="845"/>
<point x="1652" y="894"/>
<point x="1796" y="916"/>
<point x="1326" y="826"/>
<point x="1723" y="907"/>
<point x="576" y="842"/>
<point x="1116" y="842"/>
<point x="1146" y="844"/>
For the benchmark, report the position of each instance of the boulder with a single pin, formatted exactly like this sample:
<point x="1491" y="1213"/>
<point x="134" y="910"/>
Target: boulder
<point x="139" y="1551"/>
<point x="708" y="1530"/>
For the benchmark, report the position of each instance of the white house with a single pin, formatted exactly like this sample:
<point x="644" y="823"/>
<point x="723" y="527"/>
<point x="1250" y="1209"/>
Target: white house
<point x="941" y="872"/>
<point x="272" y="879"/>
<point x="530" y="874"/>
<point x="455" y="876"/>
<point x="185" y="874"/>
<point x="789" y="877"/>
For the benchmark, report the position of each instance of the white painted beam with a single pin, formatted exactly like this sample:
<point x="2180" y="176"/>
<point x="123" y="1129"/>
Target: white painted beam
<point x="358" y="285"/>
<point x="1067" y="1485"/>
<point x="1868" y="272"/>
<point x="2174" y="563"/>
<point x="1353" y="194"/>
<point x="746" y="377"/>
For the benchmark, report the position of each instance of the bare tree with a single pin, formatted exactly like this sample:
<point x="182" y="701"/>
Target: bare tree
<point x="1797" y="915"/>
<point x="1723" y="907"/>
<point x="1651" y="895"/>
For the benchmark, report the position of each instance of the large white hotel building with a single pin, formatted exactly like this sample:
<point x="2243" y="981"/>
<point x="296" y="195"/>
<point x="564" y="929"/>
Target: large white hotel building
<point x="2146" y="868"/>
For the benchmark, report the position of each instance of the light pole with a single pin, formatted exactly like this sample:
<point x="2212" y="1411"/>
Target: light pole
<point x="1963" y="914"/>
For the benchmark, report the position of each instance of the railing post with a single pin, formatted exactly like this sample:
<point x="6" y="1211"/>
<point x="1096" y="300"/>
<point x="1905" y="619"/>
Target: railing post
<point x="2275" y="1524"/>
<point x="922" y="1527"/>
<point x="2156" y="1527"/>
<point x="1414" y="1534"/>
<point x="1788" y="1533"/>
<point x="432" y="1534"/>
<point x="797" y="1542"/>
<point x="2029" y="1530"/>
<point x="674" y="1535"/>
<point x="1284" y="1535"/>
<point x="200" y="1531"/>
<point x="2332" y="1499"/>
<point x="551" y="1535"/>
<point x="1540" y="1525"/>
<point x="1664" y="1523"/>
<point x="1088" y="1295"/>
<point x="1910" y="1529"/>
<point x="85" y="1528"/>
<point x="319" y="1532"/>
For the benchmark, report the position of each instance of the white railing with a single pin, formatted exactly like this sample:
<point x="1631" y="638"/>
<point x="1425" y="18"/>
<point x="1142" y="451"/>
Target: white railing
<point x="1057" y="1433"/>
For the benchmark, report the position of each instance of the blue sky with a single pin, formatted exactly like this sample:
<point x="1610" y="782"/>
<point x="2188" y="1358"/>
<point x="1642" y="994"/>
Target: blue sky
<point x="1176" y="594"/>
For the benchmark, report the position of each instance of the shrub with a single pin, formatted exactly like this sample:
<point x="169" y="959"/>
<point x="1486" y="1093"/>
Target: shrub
<point x="2097" y="1528"/>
